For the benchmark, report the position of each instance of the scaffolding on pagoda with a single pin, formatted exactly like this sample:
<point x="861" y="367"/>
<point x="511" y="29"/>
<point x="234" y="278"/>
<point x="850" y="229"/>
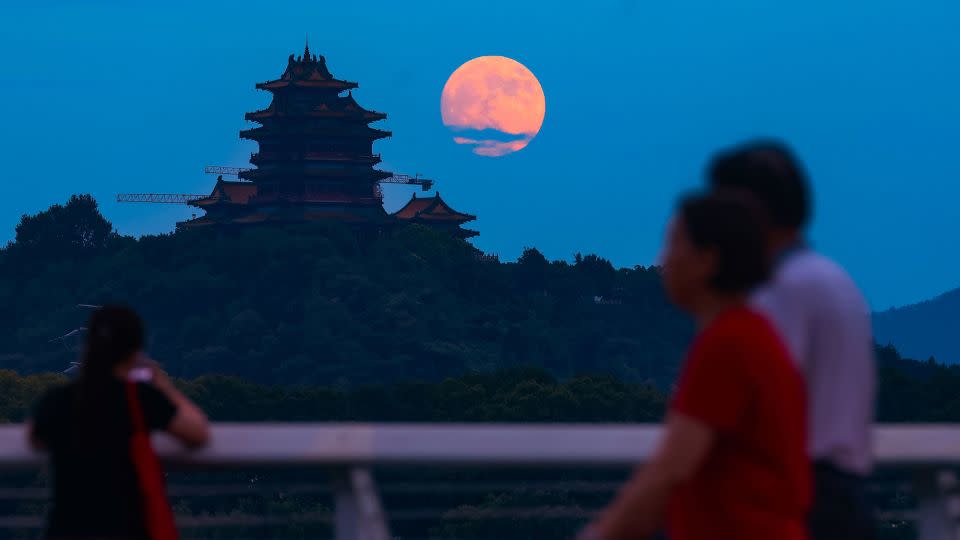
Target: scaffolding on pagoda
<point x="315" y="159"/>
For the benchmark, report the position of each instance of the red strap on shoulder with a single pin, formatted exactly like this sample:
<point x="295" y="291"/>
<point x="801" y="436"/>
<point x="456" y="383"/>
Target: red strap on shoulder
<point x="157" y="514"/>
<point x="136" y="411"/>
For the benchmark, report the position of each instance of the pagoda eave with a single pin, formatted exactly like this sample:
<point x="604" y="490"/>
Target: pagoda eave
<point x="332" y="84"/>
<point x="342" y="175"/>
<point x="273" y="159"/>
<point x="204" y="203"/>
<point x="433" y="218"/>
<point x="318" y="201"/>
<point x="309" y="215"/>
<point x="264" y="132"/>
<point x="268" y="114"/>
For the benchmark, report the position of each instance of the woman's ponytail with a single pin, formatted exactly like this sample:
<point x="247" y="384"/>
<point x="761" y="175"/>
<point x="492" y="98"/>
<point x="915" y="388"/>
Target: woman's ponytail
<point x="114" y="334"/>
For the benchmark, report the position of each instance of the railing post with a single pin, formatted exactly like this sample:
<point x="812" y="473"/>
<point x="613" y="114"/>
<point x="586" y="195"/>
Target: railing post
<point x="938" y="506"/>
<point x="358" y="514"/>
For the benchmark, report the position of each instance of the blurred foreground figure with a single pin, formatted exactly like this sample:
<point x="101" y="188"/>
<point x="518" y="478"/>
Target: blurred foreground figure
<point x="107" y="482"/>
<point x="825" y="322"/>
<point x="732" y="463"/>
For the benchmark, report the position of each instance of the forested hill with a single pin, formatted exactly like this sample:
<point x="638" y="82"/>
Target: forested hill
<point x="908" y="391"/>
<point x="310" y="304"/>
<point x="925" y="329"/>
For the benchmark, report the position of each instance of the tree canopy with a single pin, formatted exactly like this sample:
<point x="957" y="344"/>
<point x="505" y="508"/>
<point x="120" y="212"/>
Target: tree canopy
<point x="63" y="231"/>
<point x="313" y="304"/>
<point x="308" y="323"/>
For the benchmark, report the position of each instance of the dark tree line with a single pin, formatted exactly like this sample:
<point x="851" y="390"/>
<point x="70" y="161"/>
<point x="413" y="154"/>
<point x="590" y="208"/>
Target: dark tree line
<point x="313" y="304"/>
<point x="309" y="324"/>
<point x="909" y="391"/>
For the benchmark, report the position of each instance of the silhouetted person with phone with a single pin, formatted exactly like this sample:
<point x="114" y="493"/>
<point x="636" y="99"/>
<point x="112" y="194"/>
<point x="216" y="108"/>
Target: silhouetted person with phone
<point x="825" y="321"/>
<point x="107" y="483"/>
<point x="732" y="461"/>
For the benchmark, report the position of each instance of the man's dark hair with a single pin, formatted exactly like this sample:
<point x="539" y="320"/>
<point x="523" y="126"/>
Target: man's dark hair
<point x="769" y="171"/>
<point x="732" y="224"/>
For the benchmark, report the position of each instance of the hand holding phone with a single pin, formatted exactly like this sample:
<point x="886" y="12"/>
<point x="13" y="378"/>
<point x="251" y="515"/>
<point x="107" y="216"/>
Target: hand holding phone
<point x="141" y="374"/>
<point x="142" y="370"/>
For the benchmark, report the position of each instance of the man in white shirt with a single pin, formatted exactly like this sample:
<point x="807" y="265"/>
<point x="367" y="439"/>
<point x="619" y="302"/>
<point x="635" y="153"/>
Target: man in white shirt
<point x="825" y="323"/>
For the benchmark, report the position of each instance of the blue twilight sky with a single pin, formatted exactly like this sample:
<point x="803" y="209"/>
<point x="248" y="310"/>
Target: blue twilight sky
<point x="109" y="96"/>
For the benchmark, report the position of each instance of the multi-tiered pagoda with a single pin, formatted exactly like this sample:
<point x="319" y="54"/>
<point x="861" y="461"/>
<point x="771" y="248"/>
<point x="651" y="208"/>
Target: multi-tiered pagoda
<point x="316" y="157"/>
<point x="316" y="162"/>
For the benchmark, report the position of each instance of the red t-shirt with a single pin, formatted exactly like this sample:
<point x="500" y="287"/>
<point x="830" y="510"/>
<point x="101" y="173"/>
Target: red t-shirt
<point x="755" y="482"/>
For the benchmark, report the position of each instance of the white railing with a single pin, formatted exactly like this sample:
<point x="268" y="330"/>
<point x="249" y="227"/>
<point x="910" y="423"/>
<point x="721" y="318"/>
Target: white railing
<point x="348" y="450"/>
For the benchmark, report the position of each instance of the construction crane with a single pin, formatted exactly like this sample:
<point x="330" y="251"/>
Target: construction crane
<point x="231" y="171"/>
<point x="425" y="183"/>
<point x="184" y="198"/>
<point x="168" y="198"/>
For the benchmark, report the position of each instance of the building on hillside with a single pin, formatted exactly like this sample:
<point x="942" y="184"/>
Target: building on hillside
<point x="229" y="202"/>
<point x="315" y="161"/>
<point x="436" y="213"/>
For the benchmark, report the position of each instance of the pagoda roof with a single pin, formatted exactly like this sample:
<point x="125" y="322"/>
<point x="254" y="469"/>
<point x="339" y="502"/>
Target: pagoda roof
<point x="256" y="217"/>
<point x="225" y="192"/>
<point x="341" y="107"/>
<point x="364" y="132"/>
<point x="341" y="174"/>
<point x="336" y="84"/>
<point x="431" y="209"/>
<point x="307" y="71"/>
<point x="265" y="157"/>
<point x="338" y="198"/>
<point x="350" y="105"/>
<point x="342" y="216"/>
<point x="197" y="222"/>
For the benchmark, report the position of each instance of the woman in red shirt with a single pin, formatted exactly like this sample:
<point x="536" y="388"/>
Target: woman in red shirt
<point x="732" y="462"/>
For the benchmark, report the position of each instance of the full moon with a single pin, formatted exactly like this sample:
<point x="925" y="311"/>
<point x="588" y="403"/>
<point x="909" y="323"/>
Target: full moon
<point x="493" y="104"/>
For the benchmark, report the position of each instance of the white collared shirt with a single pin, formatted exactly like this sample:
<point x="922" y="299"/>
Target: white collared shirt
<point x="825" y="323"/>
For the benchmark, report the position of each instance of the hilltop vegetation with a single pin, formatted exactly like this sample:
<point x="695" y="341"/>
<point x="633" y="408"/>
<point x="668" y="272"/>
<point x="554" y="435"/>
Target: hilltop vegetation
<point x="311" y="304"/>
<point x="515" y="395"/>
<point x="924" y="329"/>
<point x="309" y="324"/>
<point x="908" y="391"/>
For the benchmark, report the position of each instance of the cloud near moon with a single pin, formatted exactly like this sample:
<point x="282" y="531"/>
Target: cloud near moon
<point x="494" y="103"/>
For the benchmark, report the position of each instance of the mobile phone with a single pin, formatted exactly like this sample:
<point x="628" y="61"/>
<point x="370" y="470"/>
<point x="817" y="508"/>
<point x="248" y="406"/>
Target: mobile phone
<point x="140" y="374"/>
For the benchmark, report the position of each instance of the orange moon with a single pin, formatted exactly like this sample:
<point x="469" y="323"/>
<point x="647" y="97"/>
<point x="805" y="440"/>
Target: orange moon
<point x="494" y="104"/>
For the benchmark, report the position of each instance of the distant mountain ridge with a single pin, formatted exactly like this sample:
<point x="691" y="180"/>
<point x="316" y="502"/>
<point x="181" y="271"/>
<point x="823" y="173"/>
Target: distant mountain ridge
<point x="929" y="328"/>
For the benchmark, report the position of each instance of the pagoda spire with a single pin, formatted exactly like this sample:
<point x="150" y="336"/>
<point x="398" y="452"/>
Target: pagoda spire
<point x="306" y="48"/>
